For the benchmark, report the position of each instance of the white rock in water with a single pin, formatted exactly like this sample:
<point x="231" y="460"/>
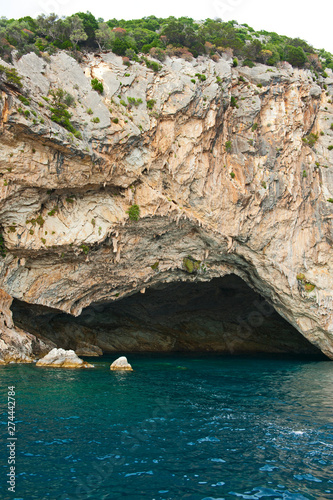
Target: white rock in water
<point x="121" y="364"/>
<point x="60" y="358"/>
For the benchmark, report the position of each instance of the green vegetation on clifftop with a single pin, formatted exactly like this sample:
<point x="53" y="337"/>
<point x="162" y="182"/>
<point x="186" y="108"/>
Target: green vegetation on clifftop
<point x="158" y="37"/>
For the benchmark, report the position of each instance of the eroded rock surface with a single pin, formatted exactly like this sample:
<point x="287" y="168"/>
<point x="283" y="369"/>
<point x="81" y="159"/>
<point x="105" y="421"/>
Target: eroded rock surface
<point x="17" y="345"/>
<point x="238" y="185"/>
<point x="121" y="364"/>
<point x="60" y="358"/>
<point x="223" y="316"/>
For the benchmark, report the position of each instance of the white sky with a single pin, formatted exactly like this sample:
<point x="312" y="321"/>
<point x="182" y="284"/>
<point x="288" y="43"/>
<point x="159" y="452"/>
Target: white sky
<point x="310" y="20"/>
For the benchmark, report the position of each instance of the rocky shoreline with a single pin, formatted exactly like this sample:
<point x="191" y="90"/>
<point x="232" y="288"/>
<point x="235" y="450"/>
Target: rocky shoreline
<point x="232" y="172"/>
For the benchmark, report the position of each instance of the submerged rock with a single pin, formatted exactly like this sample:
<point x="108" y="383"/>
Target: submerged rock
<point x="121" y="364"/>
<point x="60" y="358"/>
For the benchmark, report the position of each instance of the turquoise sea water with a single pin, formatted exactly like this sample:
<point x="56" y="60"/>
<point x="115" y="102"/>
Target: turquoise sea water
<point x="178" y="427"/>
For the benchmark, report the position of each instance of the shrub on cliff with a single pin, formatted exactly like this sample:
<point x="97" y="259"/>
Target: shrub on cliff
<point x="310" y="139"/>
<point x="97" y="85"/>
<point x="134" y="212"/>
<point x="10" y="76"/>
<point x="60" y="113"/>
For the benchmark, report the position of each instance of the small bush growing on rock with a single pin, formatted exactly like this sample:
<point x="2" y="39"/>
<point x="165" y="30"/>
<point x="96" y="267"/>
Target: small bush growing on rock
<point x="24" y="100"/>
<point x="228" y="146"/>
<point x="39" y="220"/>
<point x="133" y="101"/>
<point x="235" y="62"/>
<point x="264" y="185"/>
<point x="97" y="85"/>
<point x="53" y="211"/>
<point x="193" y="80"/>
<point x="90" y="111"/>
<point x="248" y="63"/>
<point x="304" y="173"/>
<point x="310" y="139"/>
<point x="232" y="175"/>
<point x="85" y="248"/>
<point x="254" y="126"/>
<point x="69" y="100"/>
<point x="330" y="147"/>
<point x="152" y="65"/>
<point x="11" y="76"/>
<point x="330" y="200"/>
<point x="191" y="265"/>
<point x="115" y="120"/>
<point x="151" y="103"/>
<point x="95" y="120"/>
<point x="134" y="212"/>
<point x="233" y="102"/>
<point x="308" y="286"/>
<point x="201" y="77"/>
<point x="59" y="112"/>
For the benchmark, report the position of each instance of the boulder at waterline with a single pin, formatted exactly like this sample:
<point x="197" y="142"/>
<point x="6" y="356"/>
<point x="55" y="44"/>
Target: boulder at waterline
<point x="61" y="358"/>
<point x="121" y="364"/>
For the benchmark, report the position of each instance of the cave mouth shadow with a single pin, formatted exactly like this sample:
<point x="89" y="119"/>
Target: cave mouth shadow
<point x="221" y="316"/>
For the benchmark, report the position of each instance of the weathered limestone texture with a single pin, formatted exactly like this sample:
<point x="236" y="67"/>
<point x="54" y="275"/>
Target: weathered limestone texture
<point x="16" y="345"/>
<point x="223" y="185"/>
<point x="121" y="364"/>
<point x="59" y="358"/>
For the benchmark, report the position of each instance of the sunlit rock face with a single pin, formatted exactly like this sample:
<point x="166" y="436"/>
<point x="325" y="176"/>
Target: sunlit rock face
<point x="223" y="315"/>
<point x="60" y="358"/>
<point x="223" y="185"/>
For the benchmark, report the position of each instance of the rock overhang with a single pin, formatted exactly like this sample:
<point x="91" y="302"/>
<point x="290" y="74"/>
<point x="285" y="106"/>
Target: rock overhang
<point x="234" y="187"/>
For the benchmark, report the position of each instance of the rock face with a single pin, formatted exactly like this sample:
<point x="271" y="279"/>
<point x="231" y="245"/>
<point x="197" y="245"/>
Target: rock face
<point x="121" y="364"/>
<point x="223" y="186"/>
<point x="86" y="349"/>
<point x="223" y="315"/>
<point x="16" y="345"/>
<point x="59" y="358"/>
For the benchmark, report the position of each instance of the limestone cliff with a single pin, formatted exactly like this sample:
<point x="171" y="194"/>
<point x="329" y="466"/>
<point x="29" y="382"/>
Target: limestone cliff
<point x="230" y="166"/>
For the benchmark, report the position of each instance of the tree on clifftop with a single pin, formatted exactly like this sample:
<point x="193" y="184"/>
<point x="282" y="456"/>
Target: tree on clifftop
<point x="296" y="56"/>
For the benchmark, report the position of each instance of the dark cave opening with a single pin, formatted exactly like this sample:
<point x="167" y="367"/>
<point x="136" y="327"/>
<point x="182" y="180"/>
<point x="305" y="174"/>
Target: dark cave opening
<point x="223" y="315"/>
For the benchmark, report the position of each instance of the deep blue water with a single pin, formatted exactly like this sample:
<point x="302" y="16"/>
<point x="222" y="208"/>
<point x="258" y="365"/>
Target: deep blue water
<point x="178" y="427"/>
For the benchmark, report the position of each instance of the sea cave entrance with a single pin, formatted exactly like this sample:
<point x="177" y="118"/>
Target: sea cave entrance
<point x="223" y="315"/>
